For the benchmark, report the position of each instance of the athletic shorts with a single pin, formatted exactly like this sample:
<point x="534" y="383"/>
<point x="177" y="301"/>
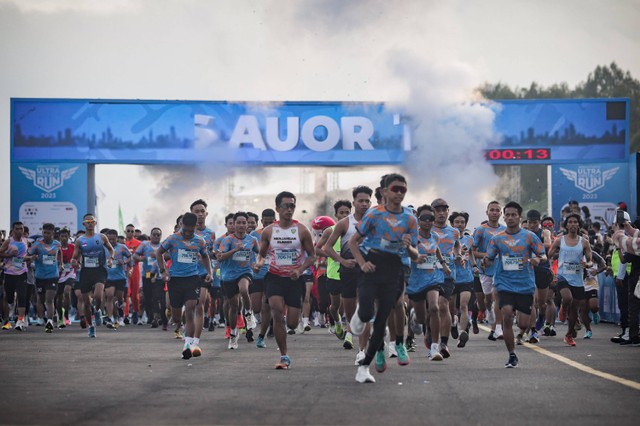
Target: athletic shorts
<point x="421" y="296"/>
<point x="203" y="283"/>
<point x="90" y="277"/>
<point x="349" y="282"/>
<point x="231" y="288"/>
<point x="61" y="286"/>
<point x="448" y="287"/>
<point x="577" y="293"/>
<point x="477" y="285"/>
<point x="120" y="285"/>
<point x="389" y="269"/>
<point x="45" y="284"/>
<point x="334" y="286"/>
<point x="591" y="294"/>
<point x="183" y="289"/>
<point x="461" y="288"/>
<point x="544" y="277"/>
<point x="256" y="286"/>
<point x="486" y="281"/>
<point x="518" y="301"/>
<point x="291" y="291"/>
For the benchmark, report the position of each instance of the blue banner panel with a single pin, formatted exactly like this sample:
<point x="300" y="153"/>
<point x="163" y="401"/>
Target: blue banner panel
<point x="561" y="130"/>
<point x="48" y="192"/>
<point x="598" y="186"/>
<point x="150" y="132"/>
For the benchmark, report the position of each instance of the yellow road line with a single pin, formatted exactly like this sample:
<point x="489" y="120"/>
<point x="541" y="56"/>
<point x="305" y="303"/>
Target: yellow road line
<point x="579" y="366"/>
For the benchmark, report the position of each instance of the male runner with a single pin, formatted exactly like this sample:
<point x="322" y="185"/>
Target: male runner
<point x="116" y="276"/>
<point x="464" y="275"/>
<point x="184" y="248"/>
<point x="14" y="251"/>
<point x="259" y="302"/>
<point x="286" y="241"/>
<point x="146" y="253"/>
<point x="133" y="297"/>
<point x="514" y="277"/>
<point x="67" y="279"/>
<point x="544" y="278"/>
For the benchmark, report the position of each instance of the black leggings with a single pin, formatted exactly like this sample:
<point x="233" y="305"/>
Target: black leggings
<point x="147" y="291"/>
<point x="323" y="294"/>
<point x="158" y="301"/>
<point x="16" y="284"/>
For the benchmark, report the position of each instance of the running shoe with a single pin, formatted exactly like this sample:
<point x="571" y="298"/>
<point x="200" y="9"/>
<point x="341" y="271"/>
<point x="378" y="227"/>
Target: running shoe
<point x="20" y="325"/>
<point x="233" y="342"/>
<point x="83" y="322"/>
<point x="413" y="324"/>
<point x="340" y="331"/>
<point x="547" y="330"/>
<point x="260" y="343"/>
<point x="481" y="316"/>
<point x="491" y="316"/>
<point x="251" y="322"/>
<point x="307" y="327"/>
<point x="410" y="344"/>
<point x="569" y="340"/>
<point x="284" y="364"/>
<point x="492" y="336"/>
<point x="61" y="324"/>
<point x="633" y="341"/>
<point x="48" y="328"/>
<point x="98" y="317"/>
<point x="444" y="350"/>
<point x="519" y="339"/>
<point x="539" y="322"/>
<point x="363" y="375"/>
<point x="435" y="355"/>
<point x="120" y="322"/>
<point x="454" y="330"/>
<point x="39" y="322"/>
<point x="92" y="331"/>
<point x="332" y="329"/>
<point x="7" y="326"/>
<point x="134" y="318"/>
<point x="195" y="350"/>
<point x="392" y="351"/>
<point x="498" y="334"/>
<point x="588" y="334"/>
<point x="212" y="326"/>
<point x="186" y="351"/>
<point x="360" y="356"/>
<point x="348" y="341"/>
<point x="227" y="332"/>
<point x="562" y="315"/>
<point x="533" y="337"/>
<point x="205" y="324"/>
<point x="67" y="321"/>
<point x="240" y="323"/>
<point x="164" y="327"/>
<point x="357" y="326"/>
<point x="596" y="317"/>
<point x="553" y="331"/>
<point x="476" y="329"/>
<point x="177" y="334"/>
<point x="464" y="338"/>
<point x="112" y="326"/>
<point x="381" y="362"/>
<point x="513" y="361"/>
<point x="299" y="328"/>
<point x="403" y="357"/>
<point x="291" y="331"/>
<point x="154" y="323"/>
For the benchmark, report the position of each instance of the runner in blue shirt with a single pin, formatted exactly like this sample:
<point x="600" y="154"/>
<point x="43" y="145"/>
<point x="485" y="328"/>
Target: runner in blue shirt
<point x="48" y="256"/>
<point x="185" y="248"/>
<point x="117" y="276"/>
<point x="259" y="303"/>
<point x="464" y="274"/>
<point x="514" y="279"/>
<point x="146" y="253"/>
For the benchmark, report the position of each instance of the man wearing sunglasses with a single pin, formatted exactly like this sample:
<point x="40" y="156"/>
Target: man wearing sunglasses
<point x="91" y="248"/>
<point x="146" y="254"/>
<point x="379" y="244"/>
<point x="289" y="245"/>
<point x="132" y="244"/>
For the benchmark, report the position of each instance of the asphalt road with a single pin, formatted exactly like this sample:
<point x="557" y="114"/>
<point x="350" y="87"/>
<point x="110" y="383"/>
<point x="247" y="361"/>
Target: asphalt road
<point x="135" y="376"/>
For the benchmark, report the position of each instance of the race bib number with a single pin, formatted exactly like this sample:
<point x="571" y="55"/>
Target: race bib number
<point x="391" y="246"/>
<point x="186" y="256"/>
<point x="91" y="262"/>
<point x="66" y="267"/>
<point x="48" y="259"/>
<point x="18" y="262"/>
<point x="429" y="263"/>
<point x="241" y="256"/>
<point x="512" y="263"/>
<point x="572" y="268"/>
<point x="286" y="257"/>
<point x="152" y="261"/>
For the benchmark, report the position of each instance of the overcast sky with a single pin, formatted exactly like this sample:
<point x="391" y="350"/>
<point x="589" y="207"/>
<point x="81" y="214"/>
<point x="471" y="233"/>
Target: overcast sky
<point x="300" y="50"/>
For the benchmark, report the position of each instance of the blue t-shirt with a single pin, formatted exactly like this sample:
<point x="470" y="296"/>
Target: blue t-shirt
<point x="122" y="256"/>
<point x="257" y="234"/>
<point x="209" y="238"/>
<point x="448" y="238"/>
<point x="240" y="263"/>
<point x="150" y="263"/>
<point x="464" y="274"/>
<point x="481" y="237"/>
<point x="427" y="274"/>
<point x="382" y="230"/>
<point x="184" y="254"/>
<point x="47" y="266"/>
<point x="93" y="251"/>
<point x="512" y="253"/>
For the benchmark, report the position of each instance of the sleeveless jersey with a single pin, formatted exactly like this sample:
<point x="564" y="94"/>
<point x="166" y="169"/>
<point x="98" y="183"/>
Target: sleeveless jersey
<point x="333" y="267"/>
<point x="93" y="252"/>
<point x="47" y="261"/>
<point x="481" y="237"/>
<point x="285" y="249"/>
<point x="570" y="262"/>
<point x="345" y="251"/>
<point x="68" y="271"/>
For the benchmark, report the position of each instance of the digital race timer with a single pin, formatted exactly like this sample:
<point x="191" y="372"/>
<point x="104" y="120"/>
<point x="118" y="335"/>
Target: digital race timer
<point x="515" y="154"/>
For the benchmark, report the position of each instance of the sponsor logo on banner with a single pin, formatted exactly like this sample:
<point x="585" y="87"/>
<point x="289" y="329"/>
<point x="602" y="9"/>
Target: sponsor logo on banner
<point x="589" y="178"/>
<point x="48" y="178"/>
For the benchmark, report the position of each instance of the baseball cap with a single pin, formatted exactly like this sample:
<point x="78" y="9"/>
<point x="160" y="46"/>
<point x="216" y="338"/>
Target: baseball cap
<point x="622" y="205"/>
<point x="533" y="215"/>
<point x="439" y="202"/>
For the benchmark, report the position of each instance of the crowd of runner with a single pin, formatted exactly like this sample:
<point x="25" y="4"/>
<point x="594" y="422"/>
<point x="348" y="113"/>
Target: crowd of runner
<point x="379" y="276"/>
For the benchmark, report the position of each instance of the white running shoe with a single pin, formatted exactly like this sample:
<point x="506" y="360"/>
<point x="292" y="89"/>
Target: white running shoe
<point x="360" y="356"/>
<point x="251" y="321"/>
<point x="233" y="343"/>
<point x="357" y="326"/>
<point x="363" y="375"/>
<point x="491" y="315"/>
<point x="20" y="326"/>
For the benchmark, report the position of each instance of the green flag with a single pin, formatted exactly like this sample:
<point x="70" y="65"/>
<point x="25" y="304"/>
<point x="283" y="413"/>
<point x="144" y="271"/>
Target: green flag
<point x="120" y="221"/>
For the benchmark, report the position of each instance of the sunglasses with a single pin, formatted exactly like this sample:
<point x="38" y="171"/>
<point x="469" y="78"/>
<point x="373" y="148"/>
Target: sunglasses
<point x="398" y="188"/>
<point x="286" y="206"/>
<point x="427" y="218"/>
<point x="129" y="230"/>
<point x="90" y="222"/>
